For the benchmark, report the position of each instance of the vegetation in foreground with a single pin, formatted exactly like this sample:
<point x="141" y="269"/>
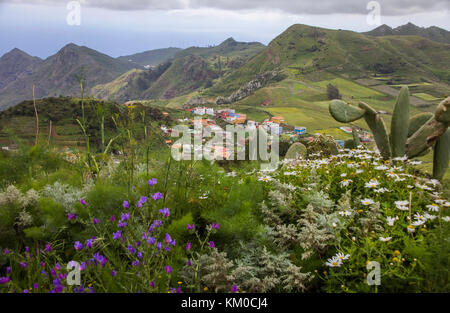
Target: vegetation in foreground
<point x="155" y="225"/>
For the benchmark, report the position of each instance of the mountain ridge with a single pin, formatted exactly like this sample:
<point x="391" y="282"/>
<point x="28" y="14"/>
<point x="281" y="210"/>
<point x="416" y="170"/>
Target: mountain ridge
<point x="433" y="32"/>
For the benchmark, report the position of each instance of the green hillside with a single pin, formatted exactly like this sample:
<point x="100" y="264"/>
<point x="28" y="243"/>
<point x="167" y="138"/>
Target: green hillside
<point x="307" y="49"/>
<point x="152" y="57"/>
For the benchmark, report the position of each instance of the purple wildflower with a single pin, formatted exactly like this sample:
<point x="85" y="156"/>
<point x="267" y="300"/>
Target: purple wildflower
<point x="124" y="216"/>
<point x="112" y="219"/>
<point x="117" y="234"/>
<point x="89" y="243"/>
<point x="152" y="181"/>
<point x="36" y="286"/>
<point x="131" y="249"/>
<point x="139" y="255"/>
<point x="189" y="263"/>
<point x="168" y="269"/>
<point x="165" y="212"/>
<point x="4" y="280"/>
<point x="211" y="244"/>
<point x="82" y="201"/>
<point x="135" y="263"/>
<point x="126" y="204"/>
<point x="48" y="248"/>
<point x="78" y="245"/>
<point x="215" y="226"/>
<point x="168" y="238"/>
<point x="57" y="266"/>
<point x="96" y="221"/>
<point x="157" y="196"/>
<point x="152" y="284"/>
<point x="234" y="288"/>
<point x="6" y="251"/>
<point x="8" y="269"/>
<point x="141" y="201"/>
<point x="188" y="246"/>
<point x="23" y="264"/>
<point x="159" y="245"/>
<point x="113" y="273"/>
<point x="189" y="227"/>
<point x="151" y="240"/>
<point x="71" y="216"/>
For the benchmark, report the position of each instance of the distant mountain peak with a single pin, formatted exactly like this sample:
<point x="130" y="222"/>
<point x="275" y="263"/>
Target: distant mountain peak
<point x="432" y="33"/>
<point x="16" y="52"/>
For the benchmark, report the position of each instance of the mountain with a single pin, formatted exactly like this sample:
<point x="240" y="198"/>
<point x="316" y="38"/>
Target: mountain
<point x="307" y="49"/>
<point x="189" y="69"/>
<point x="433" y="33"/>
<point x="14" y="64"/>
<point x="229" y="47"/>
<point x="168" y="80"/>
<point x="151" y="58"/>
<point x="57" y="74"/>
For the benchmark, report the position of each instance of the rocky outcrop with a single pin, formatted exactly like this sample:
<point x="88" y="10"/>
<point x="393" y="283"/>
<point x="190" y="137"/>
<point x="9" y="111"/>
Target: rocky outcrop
<point x="248" y="89"/>
<point x="195" y="101"/>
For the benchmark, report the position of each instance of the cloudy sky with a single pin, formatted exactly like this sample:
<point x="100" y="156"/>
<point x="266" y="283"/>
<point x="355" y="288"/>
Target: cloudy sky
<point x="120" y="27"/>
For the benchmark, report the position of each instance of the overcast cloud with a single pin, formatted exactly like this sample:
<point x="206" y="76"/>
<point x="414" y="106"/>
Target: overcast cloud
<point x="388" y="7"/>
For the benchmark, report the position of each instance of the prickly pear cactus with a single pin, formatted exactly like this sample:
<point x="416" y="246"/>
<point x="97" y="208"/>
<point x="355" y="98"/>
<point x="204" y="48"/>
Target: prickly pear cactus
<point x="427" y="135"/>
<point x="441" y="155"/>
<point x="400" y="124"/>
<point x="413" y="137"/>
<point x="378" y="128"/>
<point x="418" y="121"/>
<point x="296" y="150"/>
<point x="344" y="112"/>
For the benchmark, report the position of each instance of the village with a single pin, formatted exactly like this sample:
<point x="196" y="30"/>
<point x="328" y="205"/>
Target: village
<point x="215" y="120"/>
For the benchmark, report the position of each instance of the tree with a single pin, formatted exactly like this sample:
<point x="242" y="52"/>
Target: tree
<point x="333" y="92"/>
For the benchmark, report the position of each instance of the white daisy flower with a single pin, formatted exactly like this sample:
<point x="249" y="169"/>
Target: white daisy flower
<point x="390" y="220"/>
<point x="345" y="213"/>
<point x="359" y="171"/>
<point x="381" y="190"/>
<point x="429" y="217"/>
<point x="344" y="175"/>
<point x="418" y="217"/>
<point x="384" y="239"/>
<point x="373" y="183"/>
<point x="403" y="158"/>
<point x="334" y="262"/>
<point x="418" y="222"/>
<point x="345" y="182"/>
<point x="382" y="168"/>
<point x="265" y="178"/>
<point x="432" y="207"/>
<point x="446" y="218"/>
<point x="424" y="187"/>
<point x="402" y="205"/>
<point x="367" y="201"/>
<point x="342" y="256"/>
